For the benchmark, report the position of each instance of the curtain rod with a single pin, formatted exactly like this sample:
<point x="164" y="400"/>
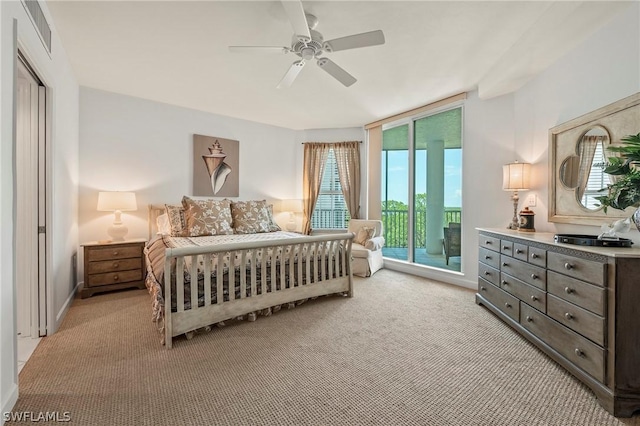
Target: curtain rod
<point x="330" y="143"/>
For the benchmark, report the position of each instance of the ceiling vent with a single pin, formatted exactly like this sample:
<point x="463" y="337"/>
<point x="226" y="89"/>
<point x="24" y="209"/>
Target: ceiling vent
<point x="39" y="21"/>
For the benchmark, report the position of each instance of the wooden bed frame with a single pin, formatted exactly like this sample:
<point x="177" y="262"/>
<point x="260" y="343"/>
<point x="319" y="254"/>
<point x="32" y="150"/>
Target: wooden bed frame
<point x="335" y="252"/>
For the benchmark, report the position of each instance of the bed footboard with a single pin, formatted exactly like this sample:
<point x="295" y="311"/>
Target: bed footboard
<point x="217" y="283"/>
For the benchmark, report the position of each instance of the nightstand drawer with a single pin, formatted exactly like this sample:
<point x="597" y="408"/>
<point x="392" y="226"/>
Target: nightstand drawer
<point x="115" y="252"/>
<point x="114" y="278"/>
<point x="114" y="265"/>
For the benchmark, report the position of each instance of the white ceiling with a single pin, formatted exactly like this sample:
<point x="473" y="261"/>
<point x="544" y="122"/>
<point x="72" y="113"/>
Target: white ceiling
<point x="176" y="52"/>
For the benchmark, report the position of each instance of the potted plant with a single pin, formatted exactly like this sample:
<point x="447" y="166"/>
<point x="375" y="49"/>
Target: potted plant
<point x="625" y="191"/>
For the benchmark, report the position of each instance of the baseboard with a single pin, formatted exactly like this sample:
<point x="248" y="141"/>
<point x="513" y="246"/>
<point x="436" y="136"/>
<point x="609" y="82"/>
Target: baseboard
<point x="65" y="307"/>
<point x="10" y="403"/>
<point x="449" y="277"/>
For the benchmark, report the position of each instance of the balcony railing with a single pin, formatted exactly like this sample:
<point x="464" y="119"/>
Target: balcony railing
<point x="396" y="224"/>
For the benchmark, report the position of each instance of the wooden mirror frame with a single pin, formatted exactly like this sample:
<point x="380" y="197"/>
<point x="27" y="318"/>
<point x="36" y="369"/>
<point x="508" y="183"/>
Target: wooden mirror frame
<point x="620" y="119"/>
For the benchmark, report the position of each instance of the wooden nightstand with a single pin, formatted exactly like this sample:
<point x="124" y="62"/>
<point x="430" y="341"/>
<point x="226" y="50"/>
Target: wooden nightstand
<point x="113" y="266"/>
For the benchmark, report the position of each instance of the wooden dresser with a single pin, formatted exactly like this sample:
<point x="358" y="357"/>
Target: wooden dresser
<point x="579" y="305"/>
<point x="112" y="266"/>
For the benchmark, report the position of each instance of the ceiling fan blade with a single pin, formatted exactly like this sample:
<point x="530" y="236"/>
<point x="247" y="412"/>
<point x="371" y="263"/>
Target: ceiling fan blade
<point x="372" y="38"/>
<point x="295" y="13"/>
<point x="258" y="49"/>
<point x="336" y="72"/>
<point x="291" y="74"/>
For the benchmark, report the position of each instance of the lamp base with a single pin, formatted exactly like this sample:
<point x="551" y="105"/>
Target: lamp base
<point x="291" y="226"/>
<point x="117" y="231"/>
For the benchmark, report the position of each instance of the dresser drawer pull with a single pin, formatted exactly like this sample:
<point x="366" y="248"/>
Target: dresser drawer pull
<point x="487" y="273"/>
<point x="487" y="242"/>
<point x="487" y="257"/>
<point x="505" y="248"/>
<point x="579" y="352"/>
<point x="568" y="290"/>
<point x="483" y="288"/>
<point x="518" y="251"/>
<point x="534" y="256"/>
<point x="568" y="266"/>
<point x="507" y="305"/>
<point x="504" y="282"/>
<point x="568" y="316"/>
<point x="116" y="278"/>
<point x="534" y="298"/>
<point x="505" y="264"/>
<point x="534" y="277"/>
<point x="529" y="319"/>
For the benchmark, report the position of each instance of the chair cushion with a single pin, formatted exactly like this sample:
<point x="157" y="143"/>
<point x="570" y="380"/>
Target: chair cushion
<point x="359" y="251"/>
<point x="364" y="233"/>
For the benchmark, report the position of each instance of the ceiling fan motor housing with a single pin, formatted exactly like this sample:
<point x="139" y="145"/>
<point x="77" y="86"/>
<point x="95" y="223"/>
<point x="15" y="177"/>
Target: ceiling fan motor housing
<point x="309" y="49"/>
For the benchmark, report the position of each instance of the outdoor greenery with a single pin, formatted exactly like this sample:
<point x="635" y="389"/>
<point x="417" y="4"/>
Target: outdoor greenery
<point x="625" y="191"/>
<point x="395" y="217"/>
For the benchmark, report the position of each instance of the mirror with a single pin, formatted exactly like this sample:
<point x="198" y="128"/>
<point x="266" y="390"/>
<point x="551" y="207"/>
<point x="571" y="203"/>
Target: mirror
<point x="577" y="156"/>
<point x="584" y="170"/>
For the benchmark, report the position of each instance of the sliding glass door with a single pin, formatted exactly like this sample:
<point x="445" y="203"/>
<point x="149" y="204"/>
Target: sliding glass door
<point x="422" y="189"/>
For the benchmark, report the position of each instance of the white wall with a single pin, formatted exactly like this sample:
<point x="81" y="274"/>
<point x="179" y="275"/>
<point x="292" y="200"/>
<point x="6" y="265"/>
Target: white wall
<point x="602" y="70"/>
<point x="62" y="236"/>
<point x="132" y="144"/>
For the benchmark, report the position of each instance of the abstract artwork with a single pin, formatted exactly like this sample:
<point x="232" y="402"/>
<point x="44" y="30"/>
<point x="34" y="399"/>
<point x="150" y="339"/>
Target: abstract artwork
<point x="215" y="166"/>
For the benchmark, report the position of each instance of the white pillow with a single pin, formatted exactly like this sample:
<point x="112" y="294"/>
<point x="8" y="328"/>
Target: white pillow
<point x="163" y="225"/>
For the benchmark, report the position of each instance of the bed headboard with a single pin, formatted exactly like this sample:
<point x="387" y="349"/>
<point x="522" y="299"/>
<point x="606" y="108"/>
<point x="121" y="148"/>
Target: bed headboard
<point x="155" y="210"/>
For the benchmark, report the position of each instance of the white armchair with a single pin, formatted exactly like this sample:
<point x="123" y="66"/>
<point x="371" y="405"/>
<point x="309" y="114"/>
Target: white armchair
<point x="367" y="257"/>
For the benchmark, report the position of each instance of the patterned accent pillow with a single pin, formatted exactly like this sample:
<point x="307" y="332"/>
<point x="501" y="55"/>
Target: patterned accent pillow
<point x="207" y="217"/>
<point x="177" y="220"/>
<point x="250" y="217"/>
<point x="365" y="233"/>
<point x="273" y="226"/>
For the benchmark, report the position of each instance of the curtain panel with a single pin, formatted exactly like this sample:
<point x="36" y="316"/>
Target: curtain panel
<point x="315" y="158"/>
<point x="348" y="162"/>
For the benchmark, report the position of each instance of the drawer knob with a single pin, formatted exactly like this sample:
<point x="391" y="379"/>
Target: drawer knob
<point x="568" y="290"/>
<point x="116" y="264"/>
<point x="483" y="288"/>
<point x="534" y="256"/>
<point x="568" y="266"/>
<point x="504" y="282"/>
<point x="534" y="277"/>
<point x="518" y="251"/>
<point x="505" y="264"/>
<point x="579" y="352"/>
<point x="505" y="247"/>
<point x="115" y="253"/>
<point x="487" y="273"/>
<point x="487" y="242"/>
<point x="568" y="316"/>
<point x="507" y="305"/>
<point x="116" y="278"/>
<point x="534" y="298"/>
<point x="529" y="319"/>
<point x="487" y="256"/>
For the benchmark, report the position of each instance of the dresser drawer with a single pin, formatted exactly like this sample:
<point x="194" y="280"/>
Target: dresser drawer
<point x="584" y="322"/>
<point x="526" y="272"/>
<point x="114" y="278"/>
<point x="501" y="300"/>
<point x="111" y="253"/>
<point x="580" y="351"/>
<point x="532" y="296"/>
<point x="488" y="273"/>
<point x="576" y="267"/>
<point x="520" y="251"/>
<point x="590" y="297"/>
<point x="114" y="265"/>
<point x="538" y="256"/>
<point x="490" y="243"/>
<point x="489" y="257"/>
<point x="506" y="247"/>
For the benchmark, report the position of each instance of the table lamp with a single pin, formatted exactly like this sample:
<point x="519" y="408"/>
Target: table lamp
<point x="293" y="207"/>
<point x="515" y="177"/>
<point x="117" y="202"/>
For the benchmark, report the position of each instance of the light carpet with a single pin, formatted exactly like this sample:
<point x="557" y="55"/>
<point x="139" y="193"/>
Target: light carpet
<point x="403" y="351"/>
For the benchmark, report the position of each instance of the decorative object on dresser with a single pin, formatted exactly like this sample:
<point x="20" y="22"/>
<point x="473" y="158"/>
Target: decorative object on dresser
<point x="112" y="266"/>
<point x="515" y="177"/>
<point x="117" y="202"/>
<point x="216" y="163"/>
<point x="577" y="304"/>
<point x="292" y="207"/>
<point x="239" y="274"/>
<point x="577" y="151"/>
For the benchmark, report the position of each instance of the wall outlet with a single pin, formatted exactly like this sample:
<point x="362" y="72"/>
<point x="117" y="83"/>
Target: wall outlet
<point x="531" y="200"/>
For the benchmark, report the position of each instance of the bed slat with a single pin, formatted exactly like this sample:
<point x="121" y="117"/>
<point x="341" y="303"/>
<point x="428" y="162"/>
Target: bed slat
<point x="253" y="273"/>
<point x="180" y="284"/>
<point x="207" y="259"/>
<point x="220" y="279"/>
<point x="193" y="284"/>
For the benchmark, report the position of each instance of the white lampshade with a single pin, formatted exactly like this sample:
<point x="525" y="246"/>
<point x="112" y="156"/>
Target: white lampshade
<point x="112" y="201"/>
<point x="294" y="206"/>
<point x="117" y="202"/>
<point x="515" y="176"/>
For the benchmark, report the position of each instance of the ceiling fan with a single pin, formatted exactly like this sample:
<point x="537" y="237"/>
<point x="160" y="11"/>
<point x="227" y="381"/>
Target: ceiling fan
<point x="309" y="44"/>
